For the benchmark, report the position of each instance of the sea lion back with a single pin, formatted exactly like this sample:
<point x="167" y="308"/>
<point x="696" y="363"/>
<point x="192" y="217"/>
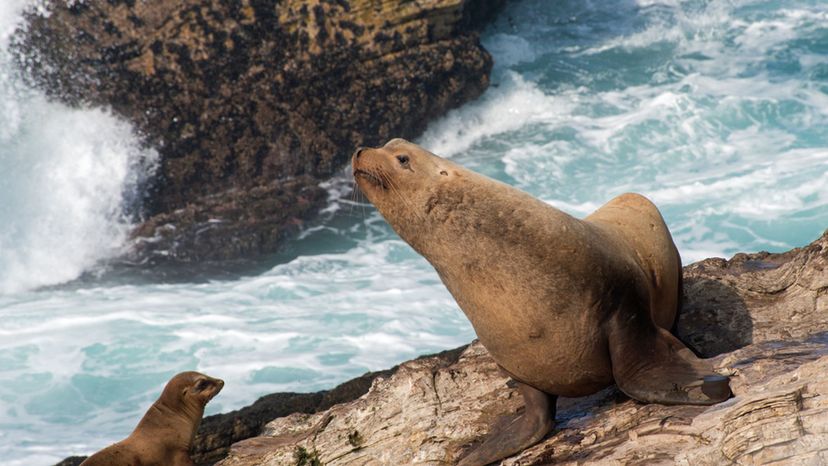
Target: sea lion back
<point x="632" y="218"/>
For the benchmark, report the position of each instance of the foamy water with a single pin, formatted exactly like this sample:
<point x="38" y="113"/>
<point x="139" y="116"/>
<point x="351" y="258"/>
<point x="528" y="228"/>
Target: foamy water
<point x="716" y="111"/>
<point x="64" y="177"/>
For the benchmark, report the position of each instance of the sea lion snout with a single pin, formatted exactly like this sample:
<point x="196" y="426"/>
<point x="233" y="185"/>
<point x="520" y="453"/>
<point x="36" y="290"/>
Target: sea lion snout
<point x="367" y="167"/>
<point x="219" y="385"/>
<point x="208" y="387"/>
<point x="358" y="157"/>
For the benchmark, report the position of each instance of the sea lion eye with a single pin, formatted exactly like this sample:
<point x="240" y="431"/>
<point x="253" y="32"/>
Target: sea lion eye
<point x="403" y="159"/>
<point x="202" y="384"/>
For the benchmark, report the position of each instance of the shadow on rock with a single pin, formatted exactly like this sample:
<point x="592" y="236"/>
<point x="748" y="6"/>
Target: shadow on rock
<point x="714" y="318"/>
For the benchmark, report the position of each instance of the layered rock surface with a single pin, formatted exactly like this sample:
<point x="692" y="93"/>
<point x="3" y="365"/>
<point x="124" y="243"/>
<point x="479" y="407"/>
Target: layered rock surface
<point x="252" y="103"/>
<point x="764" y="317"/>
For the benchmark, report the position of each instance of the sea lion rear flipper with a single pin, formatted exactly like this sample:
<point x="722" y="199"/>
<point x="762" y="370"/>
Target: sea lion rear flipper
<point x="523" y="432"/>
<point x="658" y="368"/>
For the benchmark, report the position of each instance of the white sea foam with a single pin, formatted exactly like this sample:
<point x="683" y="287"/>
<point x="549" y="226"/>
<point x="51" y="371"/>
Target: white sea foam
<point x="511" y="105"/>
<point x="66" y="174"/>
<point x="62" y="209"/>
<point x="10" y="17"/>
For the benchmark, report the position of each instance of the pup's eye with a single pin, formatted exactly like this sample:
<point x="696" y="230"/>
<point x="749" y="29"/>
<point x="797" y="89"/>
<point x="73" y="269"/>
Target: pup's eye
<point x="202" y="384"/>
<point x="403" y="159"/>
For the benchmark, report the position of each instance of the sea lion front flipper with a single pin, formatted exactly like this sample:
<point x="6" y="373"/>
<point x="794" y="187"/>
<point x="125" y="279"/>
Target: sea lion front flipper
<point x="523" y="432"/>
<point x="658" y="368"/>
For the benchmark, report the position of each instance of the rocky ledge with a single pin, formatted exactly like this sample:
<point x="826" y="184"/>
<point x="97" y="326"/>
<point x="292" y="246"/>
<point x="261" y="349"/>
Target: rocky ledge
<point x="762" y="317"/>
<point x="252" y="103"/>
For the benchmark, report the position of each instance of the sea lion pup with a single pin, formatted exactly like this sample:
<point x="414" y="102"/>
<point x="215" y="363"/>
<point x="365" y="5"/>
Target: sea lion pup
<point x="165" y="433"/>
<point x="564" y="306"/>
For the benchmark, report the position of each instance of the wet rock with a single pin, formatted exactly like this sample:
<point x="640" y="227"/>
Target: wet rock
<point x="252" y="103"/>
<point x="763" y="314"/>
<point x="218" y="432"/>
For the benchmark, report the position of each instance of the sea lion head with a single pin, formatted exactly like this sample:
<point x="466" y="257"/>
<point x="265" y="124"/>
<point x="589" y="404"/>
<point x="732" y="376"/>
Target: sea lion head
<point x="191" y="390"/>
<point x="402" y="180"/>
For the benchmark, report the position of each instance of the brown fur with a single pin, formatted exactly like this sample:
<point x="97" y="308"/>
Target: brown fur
<point x="565" y="306"/>
<point x="165" y="433"/>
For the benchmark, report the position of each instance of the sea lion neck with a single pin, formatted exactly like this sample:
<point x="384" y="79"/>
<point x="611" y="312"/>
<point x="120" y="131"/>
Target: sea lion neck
<point x="176" y="426"/>
<point x="463" y="211"/>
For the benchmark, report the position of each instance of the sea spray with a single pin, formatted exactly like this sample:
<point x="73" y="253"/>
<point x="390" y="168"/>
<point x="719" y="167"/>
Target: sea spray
<point x="68" y="179"/>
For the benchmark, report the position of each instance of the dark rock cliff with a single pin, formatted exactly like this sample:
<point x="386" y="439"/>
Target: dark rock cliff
<point x="252" y="103"/>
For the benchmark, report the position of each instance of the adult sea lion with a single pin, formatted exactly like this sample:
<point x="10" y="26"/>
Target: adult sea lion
<point x="564" y="306"/>
<point x="165" y="433"/>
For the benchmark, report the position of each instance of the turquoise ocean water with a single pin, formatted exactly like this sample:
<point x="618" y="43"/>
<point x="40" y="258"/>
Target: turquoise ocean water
<point x="718" y="111"/>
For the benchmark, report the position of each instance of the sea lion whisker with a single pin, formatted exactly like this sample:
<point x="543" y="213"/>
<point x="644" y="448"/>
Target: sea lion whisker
<point x="355" y="200"/>
<point x="392" y="187"/>
<point x="371" y="175"/>
<point x="352" y="195"/>
<point x="357" y="194"/>
<point x="402" y="198"/>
